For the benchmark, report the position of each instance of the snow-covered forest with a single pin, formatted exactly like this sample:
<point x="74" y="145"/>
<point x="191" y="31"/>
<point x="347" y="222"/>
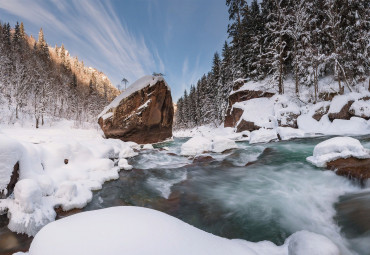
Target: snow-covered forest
<point x="289" y="45"/>
<point x="41" y="84"/>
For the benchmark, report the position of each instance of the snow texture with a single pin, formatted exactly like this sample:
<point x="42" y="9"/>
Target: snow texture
<point x="198" y="145"/>
<point x="335" y="148"/>
<point x="147" y="80"/>
<point x="263" y="136"/>
<point x="287" y="133"/>
<point x="361" y="108"/>
<point x="58" y="168"/>
<point x="123" y="230"/>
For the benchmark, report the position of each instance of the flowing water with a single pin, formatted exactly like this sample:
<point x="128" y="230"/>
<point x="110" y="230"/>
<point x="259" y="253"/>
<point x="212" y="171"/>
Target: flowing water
<point x="257" y="192"/>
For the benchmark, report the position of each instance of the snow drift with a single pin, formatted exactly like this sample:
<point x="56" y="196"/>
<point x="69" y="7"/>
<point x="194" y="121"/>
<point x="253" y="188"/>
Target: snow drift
<point x="136" y="230"/>
<point x="60" y="173"/>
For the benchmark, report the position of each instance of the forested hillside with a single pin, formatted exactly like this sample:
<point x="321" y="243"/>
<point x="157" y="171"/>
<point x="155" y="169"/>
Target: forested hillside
<point x="275" y="41"/>
<point x="41" y="83"/>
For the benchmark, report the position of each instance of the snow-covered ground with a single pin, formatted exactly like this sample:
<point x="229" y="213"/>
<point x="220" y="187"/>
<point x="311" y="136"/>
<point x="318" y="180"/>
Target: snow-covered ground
<point x="59" y="166"/>
<point x="136" y="230"/>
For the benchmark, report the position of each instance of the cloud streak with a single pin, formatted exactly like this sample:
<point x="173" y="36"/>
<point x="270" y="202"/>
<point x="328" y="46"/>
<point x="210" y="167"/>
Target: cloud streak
<point x="94" y="26"/>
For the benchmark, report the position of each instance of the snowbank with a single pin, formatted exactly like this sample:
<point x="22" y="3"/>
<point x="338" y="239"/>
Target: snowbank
<point x="198" y="145"/>
<point x="136" y="230"/>
<point x="335" y="148"/>
<point x="147" y="80"/>
<point x="56" y="169"/>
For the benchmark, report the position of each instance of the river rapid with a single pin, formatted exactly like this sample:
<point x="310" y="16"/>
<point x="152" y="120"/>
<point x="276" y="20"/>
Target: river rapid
<point x="256" y="192"/>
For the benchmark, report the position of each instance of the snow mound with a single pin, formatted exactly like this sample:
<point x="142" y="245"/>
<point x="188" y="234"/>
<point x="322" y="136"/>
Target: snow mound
<point x="123" y="164"/>
<point x="148" y="147"/>
<point x="10" y="153"/>
<point x="123" y="230"/>
<point x="335" y="148"/>
<point x="307" y="243"/>
<point x="147" y="80"/>
<point x="287" y="133"/>
<point x="263" y="136"/>
<point x="361" y="108"/>
<point x="221" y="144"/>
<point x="58" y="172"/>
<point x="198" y="145"/>
<point x="341" y="100"/>
<point x="260" y="111"/>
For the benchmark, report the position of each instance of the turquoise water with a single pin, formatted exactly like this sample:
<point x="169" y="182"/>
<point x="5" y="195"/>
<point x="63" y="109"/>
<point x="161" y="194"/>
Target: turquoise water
<point x="256" y="192"/>
<point x="276" y="195"/>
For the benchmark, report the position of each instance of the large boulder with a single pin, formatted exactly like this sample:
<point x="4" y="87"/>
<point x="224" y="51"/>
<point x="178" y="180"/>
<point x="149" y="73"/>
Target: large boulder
<point x="143" y="113"/>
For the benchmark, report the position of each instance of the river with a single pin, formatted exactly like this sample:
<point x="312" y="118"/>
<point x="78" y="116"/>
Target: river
<point x="257" y="192"/>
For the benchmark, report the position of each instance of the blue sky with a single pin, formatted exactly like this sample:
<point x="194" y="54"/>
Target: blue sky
<point x="130" y="38"/>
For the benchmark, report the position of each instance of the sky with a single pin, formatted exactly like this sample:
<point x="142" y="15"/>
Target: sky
<point x="130" y="38"/>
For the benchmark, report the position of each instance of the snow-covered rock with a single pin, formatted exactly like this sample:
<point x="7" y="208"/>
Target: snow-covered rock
<point x="196" y="145"/>
<point x="335" y="148"/>
<point x="123" y="164"/>
<point x="263" y="136"/>
<point x="143" y="113"/>
<point x="10" y="153"/>
<point x="287" y="133"/>
<point x="361" y="108"/>
<point x="27" y="194"/>
<point x="124" y="230"/>
<point x="56" y="168"/>
<point x="308" y="243"/>
<point x="148" y="147"/>
<point x="221" y="144"/>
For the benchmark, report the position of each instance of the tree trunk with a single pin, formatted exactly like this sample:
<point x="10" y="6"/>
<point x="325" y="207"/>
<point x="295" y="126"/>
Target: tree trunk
<point x="42" y="119"/>
<point x="37" y="122"/>
<point x="16" y="112"/>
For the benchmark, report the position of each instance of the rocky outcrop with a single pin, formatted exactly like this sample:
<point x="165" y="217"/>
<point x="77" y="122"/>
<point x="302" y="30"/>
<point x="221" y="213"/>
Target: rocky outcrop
<point x="13" y="180"/>
<point x="352" y="168"/>
<point x="233" y="114"/>
<point x="142" y="114"/>
<point x="361" y="108"/>
<point x="320" y="112"/>
<point x="343" y="113"/>
<point x="246" y="125"/>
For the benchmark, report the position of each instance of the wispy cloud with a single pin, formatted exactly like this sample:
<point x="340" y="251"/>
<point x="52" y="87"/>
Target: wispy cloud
<point x="95" y="26"/>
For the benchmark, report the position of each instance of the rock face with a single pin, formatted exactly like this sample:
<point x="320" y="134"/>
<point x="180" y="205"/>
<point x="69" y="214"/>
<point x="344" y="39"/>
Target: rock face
<point x="343" y="113"/>
<point x="143" y="113"/>
<point x="352" y="168"/>
<point x="13" y="180"/>
<point x="233" y="114"/>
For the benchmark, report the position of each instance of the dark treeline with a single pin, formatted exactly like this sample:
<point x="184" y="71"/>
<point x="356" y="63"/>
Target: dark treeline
<point x="41" y="82"/>
<point x="302" y="39"/>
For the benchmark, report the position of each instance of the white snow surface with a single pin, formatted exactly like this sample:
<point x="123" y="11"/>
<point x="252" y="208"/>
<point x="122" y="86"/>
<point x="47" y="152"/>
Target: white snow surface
<point x="45" y="181"/>
<point x="147" y="80"/>
<point x="339" y="101"/>
<point x="335" y="148"/>
<point x="263" y="136"/>
<point x="138" y="231"/>
<point x="287" y="133"/>
<point x="361" y="108"/>
<point x="199" y="144"/>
